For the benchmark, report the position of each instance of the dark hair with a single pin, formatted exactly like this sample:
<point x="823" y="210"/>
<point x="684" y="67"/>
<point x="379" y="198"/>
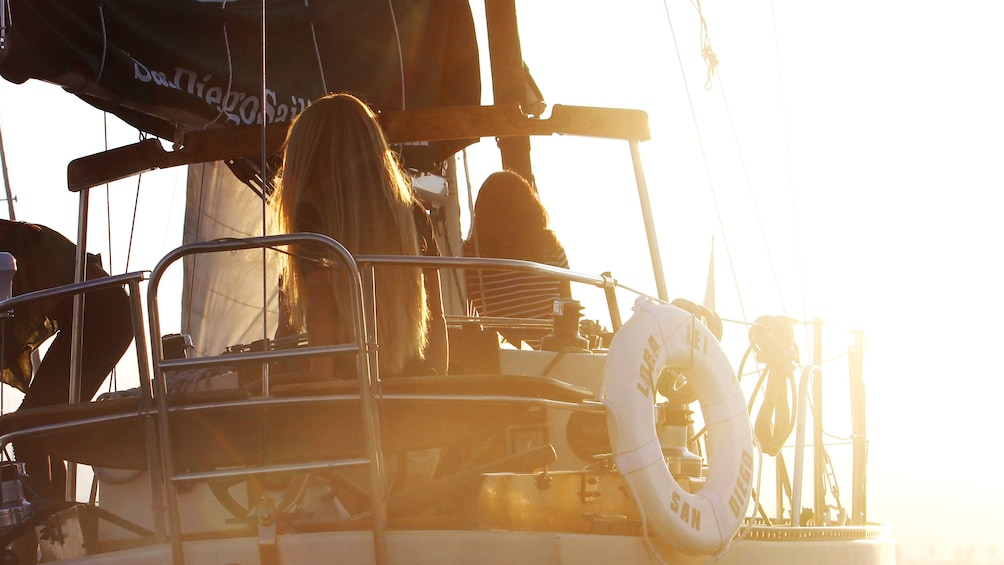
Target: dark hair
<point x="509" y="220"/>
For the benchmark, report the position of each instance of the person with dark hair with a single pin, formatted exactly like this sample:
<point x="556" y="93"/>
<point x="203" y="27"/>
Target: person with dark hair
<point x="511" y="223"/>
<point x="46" y="259"/>
<point x="339" y="178"/>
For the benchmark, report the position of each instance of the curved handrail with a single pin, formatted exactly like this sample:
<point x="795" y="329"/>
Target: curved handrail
<point x="605" y="281"/>
<point x="72" y="289"/>
<point x="361" y="347"/>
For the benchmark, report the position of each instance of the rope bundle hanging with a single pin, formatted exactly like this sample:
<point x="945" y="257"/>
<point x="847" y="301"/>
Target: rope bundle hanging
<point x="710" y="59"/>
<point x="772" y="340"/>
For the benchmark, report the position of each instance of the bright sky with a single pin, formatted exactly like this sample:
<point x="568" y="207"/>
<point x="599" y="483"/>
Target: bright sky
<point x="895" y="131"/>
<point x="895" y="127"/>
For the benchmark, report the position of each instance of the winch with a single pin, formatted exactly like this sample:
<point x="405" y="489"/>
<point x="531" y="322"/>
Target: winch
<point x="14" y="508"/>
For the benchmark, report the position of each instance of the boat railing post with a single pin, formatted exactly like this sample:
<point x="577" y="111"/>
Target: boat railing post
<point x="780" y="486"/>
<point x="859" y="499"/>
<point x="77" y="329"/>
<point x="818" y="468"/>
<point x="646" y="212"/>
<point x="163" y="422"/>
<point x="368" y="380"/>
<point x="615" y="311"/>
<point x="364" y="347"/>
<point x="796" y="483"/>
<point x="146" y="399"/>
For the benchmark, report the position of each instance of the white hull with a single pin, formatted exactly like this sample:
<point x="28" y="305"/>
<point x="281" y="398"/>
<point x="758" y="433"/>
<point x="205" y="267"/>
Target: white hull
<point x="872" y="546"/>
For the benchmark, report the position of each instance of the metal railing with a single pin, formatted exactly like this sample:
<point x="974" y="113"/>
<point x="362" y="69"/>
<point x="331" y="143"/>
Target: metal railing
<point x="154" y="409"/>
<point x="361" y="347"/>
<point x="362" y="273"/>
<point x="165" y="478"/>
<point x="809" y="398"/>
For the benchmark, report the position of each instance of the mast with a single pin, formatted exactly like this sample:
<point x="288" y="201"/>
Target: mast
<point x="508" y="79"/>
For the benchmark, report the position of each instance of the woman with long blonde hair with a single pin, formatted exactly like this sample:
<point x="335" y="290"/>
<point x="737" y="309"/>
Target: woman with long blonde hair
<point x="339" y="178"/>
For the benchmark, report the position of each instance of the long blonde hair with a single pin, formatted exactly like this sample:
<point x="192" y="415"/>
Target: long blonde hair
<point x="339" y="172"/>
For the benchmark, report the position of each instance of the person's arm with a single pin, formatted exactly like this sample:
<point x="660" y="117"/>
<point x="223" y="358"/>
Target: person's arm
<point x="437" y="353"/>
<point x="317" y="291"/>
<point x="565" y="286"/>
<point x="321" y="316"/>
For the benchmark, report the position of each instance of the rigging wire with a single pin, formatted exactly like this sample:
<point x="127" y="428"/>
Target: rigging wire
<point x="104" y="50"/>
<point x="753" y="200"/>
<point x="198" y="237"/>
<point x="135" y="207"/>
<point x="113" y="381"/>
<point x="317" y="53"/>
<point x="711" y="61"/>
<point x="400" y="52"/>
<point x="704" y="155"/>
<point x="471" y="234"/>
<point x="6" y="179"/>
<point x="264" y="186"/>
<point x="470" y="230"/>
<point x="108" y="199"/>
<point x="791" y="173"/>
<point x="230" y="69"/>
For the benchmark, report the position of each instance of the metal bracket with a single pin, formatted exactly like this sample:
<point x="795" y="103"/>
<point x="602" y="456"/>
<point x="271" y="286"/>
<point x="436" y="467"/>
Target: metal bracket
<point x="268" y="552"/>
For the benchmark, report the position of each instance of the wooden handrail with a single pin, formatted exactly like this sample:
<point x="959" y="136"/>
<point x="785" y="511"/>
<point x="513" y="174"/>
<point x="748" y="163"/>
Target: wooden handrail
<point x="412" y="126"/>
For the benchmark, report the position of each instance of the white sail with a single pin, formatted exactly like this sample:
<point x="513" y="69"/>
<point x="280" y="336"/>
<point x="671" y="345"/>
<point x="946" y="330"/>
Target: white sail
<point x="223" y="292"/>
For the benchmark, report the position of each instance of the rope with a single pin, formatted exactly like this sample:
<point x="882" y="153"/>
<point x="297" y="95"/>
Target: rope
<point x="744" y="532"/>
<point x="710" y="59"/>
<point x="704" y="157"/>
<point x="772" y="340"/>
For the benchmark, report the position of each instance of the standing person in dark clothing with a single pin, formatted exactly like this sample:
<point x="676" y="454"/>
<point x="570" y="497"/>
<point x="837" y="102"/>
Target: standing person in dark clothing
<point x="45" y="259"/>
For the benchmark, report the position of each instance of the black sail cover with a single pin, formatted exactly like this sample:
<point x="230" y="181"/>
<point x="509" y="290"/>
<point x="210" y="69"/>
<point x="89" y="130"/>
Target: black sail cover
<point x="167" y="66"/>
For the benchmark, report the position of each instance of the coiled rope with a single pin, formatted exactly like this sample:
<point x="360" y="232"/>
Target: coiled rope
<point x="772" y="341"/>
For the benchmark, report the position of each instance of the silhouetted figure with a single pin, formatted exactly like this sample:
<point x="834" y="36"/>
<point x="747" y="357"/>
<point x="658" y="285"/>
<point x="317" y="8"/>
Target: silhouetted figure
<point x="511" y="223"/>
<point x="45" y="259"/>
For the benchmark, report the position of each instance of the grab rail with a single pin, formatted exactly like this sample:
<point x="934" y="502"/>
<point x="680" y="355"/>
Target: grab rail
<point x="361" y="347"/>
<point x="153" y="386"/>
<point x="604" y="281"/>
<point x="73" y="290"/>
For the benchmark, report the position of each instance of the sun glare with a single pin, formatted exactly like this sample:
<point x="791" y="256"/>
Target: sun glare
<point x="846" y="168"/>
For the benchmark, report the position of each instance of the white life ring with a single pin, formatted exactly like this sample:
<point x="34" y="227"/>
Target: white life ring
<point x="659" y="336"/>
